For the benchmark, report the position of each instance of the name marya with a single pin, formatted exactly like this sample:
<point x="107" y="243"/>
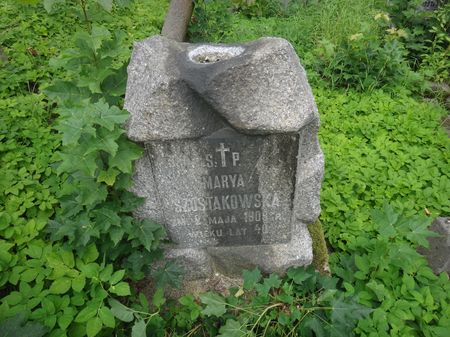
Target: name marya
<point x="225" y="202"/>
<point x="223" y="181"/>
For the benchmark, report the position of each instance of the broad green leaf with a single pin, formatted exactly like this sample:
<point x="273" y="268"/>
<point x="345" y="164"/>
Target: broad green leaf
<point x="139" y="329"/>
<point x="87" y="313"/>
<point x="158" y="298"/>
<point x="215" y="304"/>
<point x="78" y="283"/>
<point x="106" y="273"/>
<point x="108" y="177"/>
<point x="105" y="218"/>
<point x="116" y="234"/>
<point x="68" y="258"/>
<point x="418" y="231"/>
<point x="170" y="274"/>
<point x="121" y="289"/>
<point x="126" y="154"/>
<point x="71" y="129"/>
<point x="90" y="254"/>
<point x="362" y="262"/>
<point x="385" y="217"/>
<point x="104" y="141"/>
<point x="311" y="324"/>
<point x="120" y="311"/>
<point x="75" y="160"/>
<point x="60" y="286"/>
<point x="29" y="274"/>
<point x="66" y="91"/>
<point x="105" y="4"/>
<point x="232" y="328"/>
<point x="117" y="276"/>
<point x="273" y="281"/>
<point x="65" y="319"/>
<point x="93" y="326"/>
<point x="108" y="116"/>
<point x="90" y="270"/>
<point x="107" y="317"/>
<point x="299" y="274"/>
<point x="251" y="277"/>
<point x="114" y="85"/>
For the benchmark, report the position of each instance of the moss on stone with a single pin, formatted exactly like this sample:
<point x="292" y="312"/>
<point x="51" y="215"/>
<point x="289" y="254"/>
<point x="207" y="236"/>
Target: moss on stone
<point x="320" y="251"/>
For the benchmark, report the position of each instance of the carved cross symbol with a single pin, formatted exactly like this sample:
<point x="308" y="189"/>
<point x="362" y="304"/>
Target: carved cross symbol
<point x="222" y="149"/>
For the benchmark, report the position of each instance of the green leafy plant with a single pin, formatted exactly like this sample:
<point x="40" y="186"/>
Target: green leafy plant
<point x="388" y="274"/>
<point x="371" y="158"/>
<point x="410" y="16"/>
<point x="435" y="65"/>
<point x="367" y="60"/>
<point x="64" y="288"/>
<point x="302" y="303"/>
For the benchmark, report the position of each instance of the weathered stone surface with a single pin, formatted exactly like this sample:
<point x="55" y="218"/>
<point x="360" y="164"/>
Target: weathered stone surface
<point x="161" y="104"/>
<point x="438" y="254"/>
<point x="252" y="85"/>
<point x="232" y="163"/>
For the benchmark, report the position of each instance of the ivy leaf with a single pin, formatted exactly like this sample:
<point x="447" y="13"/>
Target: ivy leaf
<point x="273" y="281"/>
<point x="105" y="218"/>
<point x="231" y="328"/>
<point x="115" y="84"/>
<point x="215" y="304"/>
<point x="145" y="232"/>
<point x="251" y="277"/>
<point x="76" y="160"/>
<point x="120" y="311"/>
<point x="139" y="329"/>
<point x="310" y="325"/>
<point x="418" y="231"/>
<point x="126" y="154"/>
<point x="171" y="274"/>
<point x="108" y="177"/>
<point x="385" y="217"/>
<point x="346" y="313"/>
<point x="104" y="141"/>
<point x="299" y="274"/>
<point x="108" y="116"/>
<point x="105" y="4"/>
<point x="62" y="91"/>
<point x="116" y="234"/>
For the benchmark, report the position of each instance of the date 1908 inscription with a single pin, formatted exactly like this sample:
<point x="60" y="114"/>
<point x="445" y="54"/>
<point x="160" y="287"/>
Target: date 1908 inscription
<point x="241" y="193"/>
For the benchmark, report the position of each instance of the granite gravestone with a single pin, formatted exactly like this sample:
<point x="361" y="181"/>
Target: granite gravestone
<point x="232" y="165"/>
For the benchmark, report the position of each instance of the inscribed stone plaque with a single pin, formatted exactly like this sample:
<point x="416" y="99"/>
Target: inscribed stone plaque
<point x="227" y="189"/>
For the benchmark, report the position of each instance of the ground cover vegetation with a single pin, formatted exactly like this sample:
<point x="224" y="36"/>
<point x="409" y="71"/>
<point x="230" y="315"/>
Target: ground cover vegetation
<point x="69" y="248"/>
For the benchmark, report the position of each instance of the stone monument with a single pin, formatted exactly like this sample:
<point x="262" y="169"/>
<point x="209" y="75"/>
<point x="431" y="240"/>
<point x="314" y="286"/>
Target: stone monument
<point x="232" y="165"/>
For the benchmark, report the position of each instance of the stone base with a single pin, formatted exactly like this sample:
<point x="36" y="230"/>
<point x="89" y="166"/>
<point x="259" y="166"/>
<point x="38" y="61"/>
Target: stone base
<point x="203" y="263"/>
